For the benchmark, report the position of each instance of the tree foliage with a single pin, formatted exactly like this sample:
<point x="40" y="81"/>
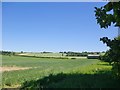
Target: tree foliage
<point x="105" y="18"/>
<point x="113" y="54"/>
<point x="114" y="51"/>
<point x="108" y="14"/>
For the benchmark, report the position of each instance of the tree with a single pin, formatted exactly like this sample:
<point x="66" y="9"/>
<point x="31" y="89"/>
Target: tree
<point x="21" y="52"/>
<point x="104" y="19"/>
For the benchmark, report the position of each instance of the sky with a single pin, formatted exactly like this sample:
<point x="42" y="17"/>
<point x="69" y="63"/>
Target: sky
<point x="55" y="27"/>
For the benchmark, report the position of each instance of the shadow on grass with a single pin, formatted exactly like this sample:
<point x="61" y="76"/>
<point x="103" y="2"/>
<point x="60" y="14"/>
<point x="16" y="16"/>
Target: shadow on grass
<point x="102" y="79"/>
<point x="106" y="64"/>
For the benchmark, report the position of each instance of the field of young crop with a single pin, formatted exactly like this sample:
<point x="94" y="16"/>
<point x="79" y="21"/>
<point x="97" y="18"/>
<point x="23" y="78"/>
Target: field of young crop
<point x="43" y="54"/>
<point x="37" y="69"/>
<point x="52" y="55"/>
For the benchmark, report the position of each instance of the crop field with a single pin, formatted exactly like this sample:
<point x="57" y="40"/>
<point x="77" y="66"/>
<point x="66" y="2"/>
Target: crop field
<point x="43" y="54"/>
<point x="54" y="55"/>
<point x="29" y="71"/>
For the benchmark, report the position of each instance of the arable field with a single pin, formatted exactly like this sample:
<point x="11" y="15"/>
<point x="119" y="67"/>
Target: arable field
<point x="49" y="55"/>
<point x="43" y="54"/>
<point x="48" y="72"/>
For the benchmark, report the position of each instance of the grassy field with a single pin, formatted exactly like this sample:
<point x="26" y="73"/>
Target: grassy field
<point x="56" y="72"/>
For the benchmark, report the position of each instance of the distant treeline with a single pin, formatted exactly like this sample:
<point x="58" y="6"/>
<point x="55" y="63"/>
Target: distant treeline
<point x="69" y="53"/>
<point x="7" y="53"/>
<point x="78" y="53"/>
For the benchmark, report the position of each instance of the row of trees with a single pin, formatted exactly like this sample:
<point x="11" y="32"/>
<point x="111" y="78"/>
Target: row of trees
<point x="78" y="53"/>
<point x="7" y="53"/>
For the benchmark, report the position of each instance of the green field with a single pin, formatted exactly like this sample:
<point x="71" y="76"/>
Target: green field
<point x="57" y="72"/>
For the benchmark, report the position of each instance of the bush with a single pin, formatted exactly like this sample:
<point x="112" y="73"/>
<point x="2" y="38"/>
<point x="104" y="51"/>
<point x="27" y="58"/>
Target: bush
<point x="116" y="69"/>
<point x="113" y="54"/>
<point x="106" y="57"/>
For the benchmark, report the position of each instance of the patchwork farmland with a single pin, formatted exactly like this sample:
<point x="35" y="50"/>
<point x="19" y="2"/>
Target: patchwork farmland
<point x="22" y="72"/>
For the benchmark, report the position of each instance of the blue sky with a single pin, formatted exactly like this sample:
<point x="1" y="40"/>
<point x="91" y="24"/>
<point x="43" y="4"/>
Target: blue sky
<point x="53" y="27"/>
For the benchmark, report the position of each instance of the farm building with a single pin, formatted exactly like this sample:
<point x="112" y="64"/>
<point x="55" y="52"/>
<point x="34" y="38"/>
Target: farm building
<point x="93" y="56"/>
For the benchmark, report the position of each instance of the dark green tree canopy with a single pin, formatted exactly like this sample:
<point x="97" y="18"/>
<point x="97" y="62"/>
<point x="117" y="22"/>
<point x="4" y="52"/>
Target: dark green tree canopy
<point x="104" y="18"/>
<point x="106" y="15"/>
